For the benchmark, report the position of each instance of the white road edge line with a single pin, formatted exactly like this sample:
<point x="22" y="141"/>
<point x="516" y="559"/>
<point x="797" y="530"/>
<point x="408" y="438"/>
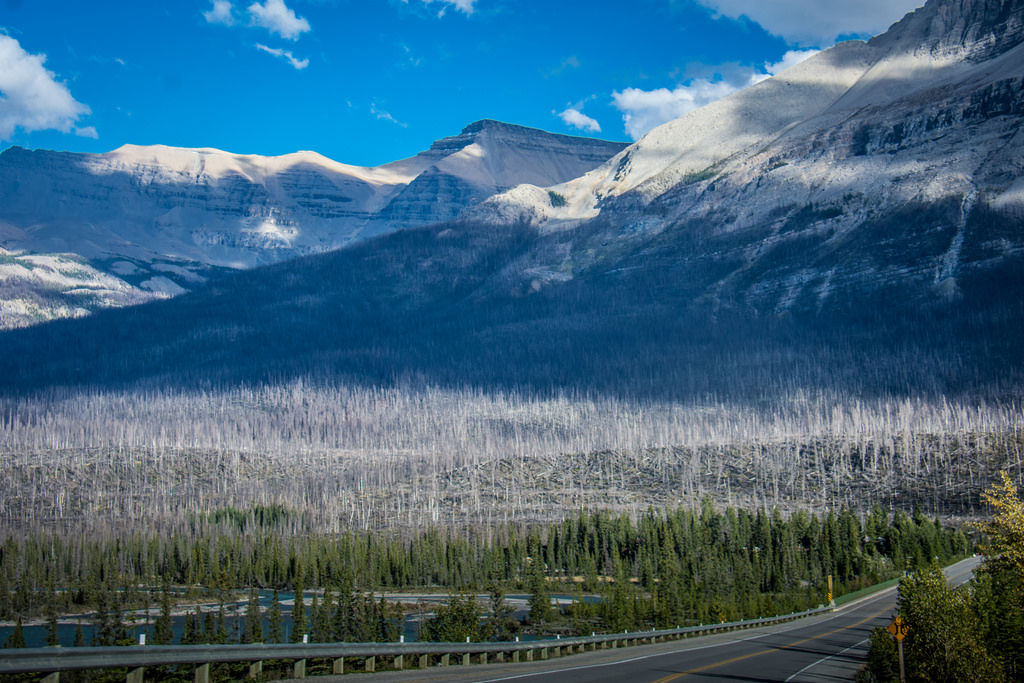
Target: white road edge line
<point x="823" y="659"/>
<point x="656" y="654"/>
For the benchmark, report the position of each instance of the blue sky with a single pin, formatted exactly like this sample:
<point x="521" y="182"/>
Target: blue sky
<point x="371" y="81"/>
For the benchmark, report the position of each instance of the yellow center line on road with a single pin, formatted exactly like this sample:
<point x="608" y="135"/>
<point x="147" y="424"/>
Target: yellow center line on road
<point x="724" y="662"/>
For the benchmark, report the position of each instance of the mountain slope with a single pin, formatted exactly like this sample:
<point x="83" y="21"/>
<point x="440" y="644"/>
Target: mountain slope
<point x="854" y="225"/>
<point x="894" y="164"/>
<point x="42" y="287"/>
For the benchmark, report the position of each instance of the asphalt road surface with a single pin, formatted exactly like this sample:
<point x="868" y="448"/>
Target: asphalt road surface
<point x="819" y="649"/>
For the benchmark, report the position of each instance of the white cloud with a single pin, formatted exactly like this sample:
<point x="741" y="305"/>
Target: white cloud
<point x="646" y="109"/>
<point x="284" y="54"/>
<point x="31" y="98"/>
<point x="579" y="120"/>
<point x="791" y="58"/>
<point x="813" y="22"/>
<point x="385" y="116"/>
<point x="221" y="13"/>
<point x="643" y="110"/>
<point x="274" y="16"/>
<point x="464" y="6"/>
<point x="572" y="62"/>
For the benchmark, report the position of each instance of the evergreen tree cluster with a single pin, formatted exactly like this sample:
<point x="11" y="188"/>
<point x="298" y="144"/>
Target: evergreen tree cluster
<point x="661" y="569"/>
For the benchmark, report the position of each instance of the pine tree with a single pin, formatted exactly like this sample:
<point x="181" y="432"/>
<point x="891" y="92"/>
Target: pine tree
<point x="209" y="634"/>
<point x="79" y="635"/>
<point x="162" y="631"/>
<point x="190" y="634"/>
<point x="499" y="624"/>
<point x="17" y="637"/>
<point x="391" y="621"/>
<point x="5" y="596"/>
<point x="298" y="615"/>
<point x="540" y="598"/>
<point x="314" y="617"/>
<point x="342" y="620"/>
<point x="222" y="627"/>
<point x="275" y="628"/>
<point x="118" y="633"/>
<point x="52" y="637"/>
<point x="101" y="632"/>
<point x="322" y="631"/>
<point x="253" y="629"/>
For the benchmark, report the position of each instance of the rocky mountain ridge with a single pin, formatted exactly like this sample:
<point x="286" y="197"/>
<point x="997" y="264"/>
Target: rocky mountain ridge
<point x="140" y="213"/>
<point x="834" y="160"/>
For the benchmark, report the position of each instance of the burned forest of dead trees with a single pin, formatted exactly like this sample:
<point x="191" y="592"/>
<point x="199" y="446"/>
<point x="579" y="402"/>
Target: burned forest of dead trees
<point x="345" y="458"/>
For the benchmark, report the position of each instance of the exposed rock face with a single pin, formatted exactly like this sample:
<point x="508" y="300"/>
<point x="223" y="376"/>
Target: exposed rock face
<point x="486" y="158"/>
<point x="193" y="210"/>
<point x="896" y="163"/>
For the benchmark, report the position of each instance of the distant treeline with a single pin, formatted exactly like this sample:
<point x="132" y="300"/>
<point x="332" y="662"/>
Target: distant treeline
<point x="663" y="568"/>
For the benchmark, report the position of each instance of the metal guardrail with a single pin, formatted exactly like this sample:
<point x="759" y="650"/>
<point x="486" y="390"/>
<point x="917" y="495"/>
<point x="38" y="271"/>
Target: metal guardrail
<point x="137" y="658"/>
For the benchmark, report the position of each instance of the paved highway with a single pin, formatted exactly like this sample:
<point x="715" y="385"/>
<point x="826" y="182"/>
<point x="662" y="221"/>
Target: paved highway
<point x="823" y="648"/>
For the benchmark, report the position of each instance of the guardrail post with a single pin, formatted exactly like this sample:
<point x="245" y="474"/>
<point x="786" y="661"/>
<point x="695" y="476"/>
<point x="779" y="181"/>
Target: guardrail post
<point x="423" y="662"/>
<point x="445" y="658"/>
<point x="339" y="666"/>
<point x="544" y="653"/>
<point x="371" y="664"/>
<point x="299" y="670"/>
<point x="202" y="674"/>
<point x="255" y="669"/>
<point x="483" y="657"/>
<point x="399" y="662"/>
<point x="499" y="657"/>
<point x="465" y="659"/>
<point x="52" y="678"/>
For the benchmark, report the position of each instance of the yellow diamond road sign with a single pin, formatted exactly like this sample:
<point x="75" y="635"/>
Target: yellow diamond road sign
<point x="899" y="628"/>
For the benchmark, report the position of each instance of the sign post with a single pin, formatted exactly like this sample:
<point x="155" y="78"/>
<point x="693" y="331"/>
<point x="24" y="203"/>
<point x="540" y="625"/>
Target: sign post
<point x="899" y="629"/>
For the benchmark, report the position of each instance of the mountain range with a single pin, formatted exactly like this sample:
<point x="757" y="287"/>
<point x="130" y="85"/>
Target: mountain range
<point x="156" y="221"/>
<point x="854" y="224"/>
